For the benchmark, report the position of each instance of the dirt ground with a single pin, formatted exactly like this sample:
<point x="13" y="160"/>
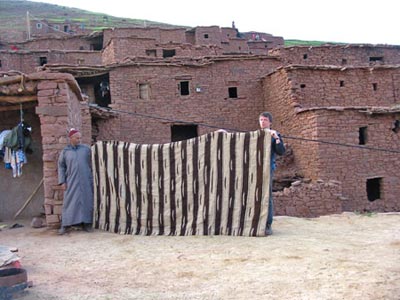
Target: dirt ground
<point x="346" y="256"/>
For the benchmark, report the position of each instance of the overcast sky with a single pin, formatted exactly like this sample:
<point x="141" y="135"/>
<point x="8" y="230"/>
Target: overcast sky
<point x="348" y="21"/>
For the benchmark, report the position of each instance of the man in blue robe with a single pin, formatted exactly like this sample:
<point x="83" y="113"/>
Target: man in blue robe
<point x="75" y="176"/>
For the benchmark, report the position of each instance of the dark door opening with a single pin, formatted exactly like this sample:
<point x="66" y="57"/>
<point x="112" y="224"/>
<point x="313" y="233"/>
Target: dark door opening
<point x="374" y="188"/>
<point x="183" y="132"/>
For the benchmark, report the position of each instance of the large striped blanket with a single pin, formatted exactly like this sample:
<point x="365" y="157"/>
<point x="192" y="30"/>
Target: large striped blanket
<point x="214" y="184"/>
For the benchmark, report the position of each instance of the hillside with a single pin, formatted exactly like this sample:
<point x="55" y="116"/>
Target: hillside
<point x="13" y="18"/>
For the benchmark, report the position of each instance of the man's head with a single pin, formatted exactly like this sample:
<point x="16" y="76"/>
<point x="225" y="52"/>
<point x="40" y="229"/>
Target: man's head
<point x="74" y="137"/>
<point x="265" y="120"/>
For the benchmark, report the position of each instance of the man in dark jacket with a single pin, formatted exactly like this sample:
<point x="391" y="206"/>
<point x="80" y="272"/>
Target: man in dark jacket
<point x="277" y="148"/>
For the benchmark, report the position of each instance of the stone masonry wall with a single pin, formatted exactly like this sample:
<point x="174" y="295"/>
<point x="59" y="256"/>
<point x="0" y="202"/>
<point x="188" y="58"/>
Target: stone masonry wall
<point x="320" y="87"/>
<point x="29" y="62"/>
<point x="309" y="200"/>
<point x="56" y="105"/>
<point x="70" y="43"/>
<point x="208" y="101"/>
<point x="339" y="55"/>
<point x="339" y="123"/>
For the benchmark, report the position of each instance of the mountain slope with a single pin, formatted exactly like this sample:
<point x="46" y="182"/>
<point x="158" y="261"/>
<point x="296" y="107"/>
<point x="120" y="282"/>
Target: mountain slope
<point x="13" y="18"/>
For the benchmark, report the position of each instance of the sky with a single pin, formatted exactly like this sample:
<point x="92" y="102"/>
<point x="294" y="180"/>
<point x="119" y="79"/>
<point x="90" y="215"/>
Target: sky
<point x="347" y="21"/>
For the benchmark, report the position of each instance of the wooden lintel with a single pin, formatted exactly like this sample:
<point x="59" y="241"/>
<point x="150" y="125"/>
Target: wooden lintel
<point x="18" y="99"/>
<point x="17" y="107"/>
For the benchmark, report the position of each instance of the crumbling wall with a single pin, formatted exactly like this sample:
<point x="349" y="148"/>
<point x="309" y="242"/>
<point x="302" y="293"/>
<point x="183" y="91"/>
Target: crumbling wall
<point x="309" y="199"/>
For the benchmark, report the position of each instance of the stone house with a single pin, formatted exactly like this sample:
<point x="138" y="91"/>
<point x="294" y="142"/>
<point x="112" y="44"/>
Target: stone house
<point x="153" y="85"/>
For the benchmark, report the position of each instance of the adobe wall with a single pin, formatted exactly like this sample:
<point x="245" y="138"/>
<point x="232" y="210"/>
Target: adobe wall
<point x="339" y="55"/>
<point x="353" y="166"/>
<point x="280" y="100"/>
<point x="59" y="109"/>
<point x="338" y="121"/>
<point x="316" y="87"/>
<point x="308" y="200"/>
<point x="160" y="35"/>
<point x="70" y="43"/>
<point x="119" y="50"/>
<point x="210" y="105"/>
<point x="29" y="62"/>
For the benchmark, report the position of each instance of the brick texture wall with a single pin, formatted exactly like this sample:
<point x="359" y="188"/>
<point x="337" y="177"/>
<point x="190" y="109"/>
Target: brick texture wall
<point x="321" y="111"/>
<point x="339" y="55"/>
<point x="210" y="104"/>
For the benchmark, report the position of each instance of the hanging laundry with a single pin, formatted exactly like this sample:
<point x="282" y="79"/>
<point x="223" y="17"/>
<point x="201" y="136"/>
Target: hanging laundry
<point x="18" y="159"/>
<point x="19" y="138"/>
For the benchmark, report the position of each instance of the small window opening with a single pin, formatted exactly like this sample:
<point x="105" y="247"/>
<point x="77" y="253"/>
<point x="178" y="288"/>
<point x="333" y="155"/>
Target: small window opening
<point x="96" y="47"/>
<point x="144" y="91"/>
<point x="56" y="27"/>
<point x="81" y="48"/>
<point x="374" y="86"/>
<point x="184" y="88"/>
<point x="168" y="53"/>
<point x="376" y="58"/>
<point x="362" y="135"/>
<point x="183" y="132"/>
<point x="344" y="61"/>
<point x="233" y="92"/>
<point x="42" y="60"/>
<point x="39" y="25"/>
<point x="206" y="36"/>
<point x="66" y="28"/>
<point x="0" y="63"/>
<point x="151" y="52"/>
<point x="80" y="61"/>
<point x="374" y="188"/>
<point x="341" y="83"/>
<point x="395" y="128"/>
<point x="302" y="85"/>
<point x="305" y="56"/>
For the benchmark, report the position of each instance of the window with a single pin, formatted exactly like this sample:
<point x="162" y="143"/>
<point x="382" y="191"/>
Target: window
<point x="183" y="132"/>
<point x="362" y="135"/>
<point x="341" y="83"/>
<point x="206" y="35"/>
<point x="151" y="52"/>
<point x="302" y="86"/>
<point x="56" y="27"/>
<point x="39" y="25"/>
<point x="42" y="60"/>
<point x="184" y="88"/>
<point x="374" y="86"/>
<point x="66" y="28"/>
<point x="81" y="48"/>
<point x="232" y="92"/>
<point x="0" y="63"/>
<point x="80" y="61"/>
<point x="376" y="59"/>
<point x="305" y="56"/>
<point x="144" y="91"/>
<point x="168" y="53"/>
<point x="344" y="61"/>
<point x="374" y="188"/>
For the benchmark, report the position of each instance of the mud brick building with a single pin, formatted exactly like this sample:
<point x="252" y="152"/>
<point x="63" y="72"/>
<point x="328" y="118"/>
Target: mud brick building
<point x="141" y="83"/>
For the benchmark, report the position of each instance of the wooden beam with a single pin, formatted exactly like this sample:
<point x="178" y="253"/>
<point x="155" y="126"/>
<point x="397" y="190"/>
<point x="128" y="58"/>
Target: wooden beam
<point x="17" y="107"/>
<point x="18" y="99"/>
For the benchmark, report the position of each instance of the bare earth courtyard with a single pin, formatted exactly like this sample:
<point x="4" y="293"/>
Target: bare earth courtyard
<point x="346" y="256"/>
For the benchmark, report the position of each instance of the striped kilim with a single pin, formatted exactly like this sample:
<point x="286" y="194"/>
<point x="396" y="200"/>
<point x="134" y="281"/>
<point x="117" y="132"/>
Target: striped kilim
<point x="214" y="184"/>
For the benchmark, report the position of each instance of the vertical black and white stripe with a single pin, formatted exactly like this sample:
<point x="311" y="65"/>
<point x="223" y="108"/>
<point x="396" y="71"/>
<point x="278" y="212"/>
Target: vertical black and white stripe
<point x="214" y="184"/>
